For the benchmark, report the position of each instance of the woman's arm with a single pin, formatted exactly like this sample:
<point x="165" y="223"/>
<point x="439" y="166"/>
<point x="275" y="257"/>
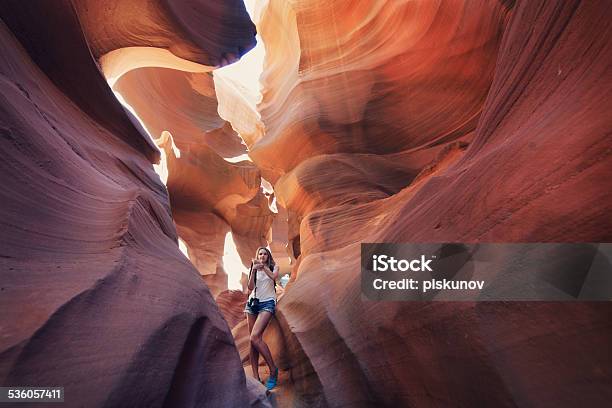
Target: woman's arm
<point x="272" y="274"/>
<point x="252" y="272"/>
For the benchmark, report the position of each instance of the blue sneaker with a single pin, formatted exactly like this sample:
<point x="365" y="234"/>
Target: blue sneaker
<point x="271" y="383"/>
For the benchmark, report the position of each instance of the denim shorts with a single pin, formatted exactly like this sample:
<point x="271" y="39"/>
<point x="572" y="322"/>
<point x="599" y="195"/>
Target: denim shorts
<point x="268" y="306"/>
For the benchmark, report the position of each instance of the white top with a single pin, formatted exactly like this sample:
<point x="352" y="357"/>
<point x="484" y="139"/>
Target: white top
<point x="265" y="288"/>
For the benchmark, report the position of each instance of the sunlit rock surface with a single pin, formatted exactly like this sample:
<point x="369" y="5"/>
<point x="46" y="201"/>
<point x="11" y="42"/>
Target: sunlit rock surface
<point x="435" y="121"/>
<point x="210" y="197"/>
<point x="182" y="103"/>
<point x="212" y="188"/>
<point x="279" y="242"/>
<point x="372" y="77"/>
<point x="238" y="106"/>
<point x="96" y="295"/>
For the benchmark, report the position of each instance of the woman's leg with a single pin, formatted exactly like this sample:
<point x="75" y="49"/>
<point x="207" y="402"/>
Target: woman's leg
<point x="253" y="352"/>
<point x="263" y="318"/>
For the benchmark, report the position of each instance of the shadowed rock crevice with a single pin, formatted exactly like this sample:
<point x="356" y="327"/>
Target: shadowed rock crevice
<point x="64" y="56"/>
<point x="199" y="361"/>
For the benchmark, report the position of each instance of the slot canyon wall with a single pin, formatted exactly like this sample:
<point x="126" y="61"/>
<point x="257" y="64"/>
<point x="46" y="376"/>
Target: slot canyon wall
<point x="434" y="121"/>
<point x="95" y="295"/>
<point x="380" y="121"/>
<point x="210" y="196"/>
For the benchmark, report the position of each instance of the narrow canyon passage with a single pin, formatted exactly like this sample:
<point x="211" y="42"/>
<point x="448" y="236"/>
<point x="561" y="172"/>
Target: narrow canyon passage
<point x="151" y="146"/>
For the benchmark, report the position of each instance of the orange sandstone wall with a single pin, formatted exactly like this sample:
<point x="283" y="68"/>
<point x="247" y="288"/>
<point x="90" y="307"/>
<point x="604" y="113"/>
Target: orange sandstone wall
<point x="480" y="121"/>
<point x="212" y="190"/>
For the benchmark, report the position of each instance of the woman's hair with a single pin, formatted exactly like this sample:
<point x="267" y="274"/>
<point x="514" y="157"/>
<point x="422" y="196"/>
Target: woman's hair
<point x="271" y="263"/>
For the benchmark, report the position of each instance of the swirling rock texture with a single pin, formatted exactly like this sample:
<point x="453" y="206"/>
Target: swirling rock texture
<point x="349" y="95"/>
<point x="231" y="303"/>
<point x="434" y="121"/>
<point x="156" y="54"/>
<point x="479" y="121"/>
<point x="182" y="103"/>
<point x="210" y="195"/>
<point x="96" y="296"/>
<point x="138" y="33"/>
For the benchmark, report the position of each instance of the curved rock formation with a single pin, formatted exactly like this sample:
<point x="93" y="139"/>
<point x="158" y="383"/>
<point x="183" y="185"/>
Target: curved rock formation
<point x="181" y="103"/>
<point x="396" y="76"/>
<point x="231" y="304"/>
<point x="209" y="33"/>
<point x="90" y="261"/>
<point x="418" y="121"/>
<point x="57" y="45"/>
<point x="211" y="192"/>
<point x="433" y="122"/>
<point x="279" y="241"/>
<point x="210" y="197"/>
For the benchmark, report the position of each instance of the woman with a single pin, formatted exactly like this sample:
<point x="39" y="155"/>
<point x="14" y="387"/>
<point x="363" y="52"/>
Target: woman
<point x="259" y="310"/>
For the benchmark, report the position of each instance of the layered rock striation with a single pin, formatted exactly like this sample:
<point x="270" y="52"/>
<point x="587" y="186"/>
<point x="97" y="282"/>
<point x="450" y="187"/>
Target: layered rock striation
<point x="436" y="122"/>
<point x="420" y="121"/>
<point x="96" y="296"/>
<point x="193" y="35"/>
<point x="213" y="189"/>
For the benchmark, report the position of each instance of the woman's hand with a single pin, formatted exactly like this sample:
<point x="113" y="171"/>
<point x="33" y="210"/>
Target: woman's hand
<point x="271" y="274"/>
